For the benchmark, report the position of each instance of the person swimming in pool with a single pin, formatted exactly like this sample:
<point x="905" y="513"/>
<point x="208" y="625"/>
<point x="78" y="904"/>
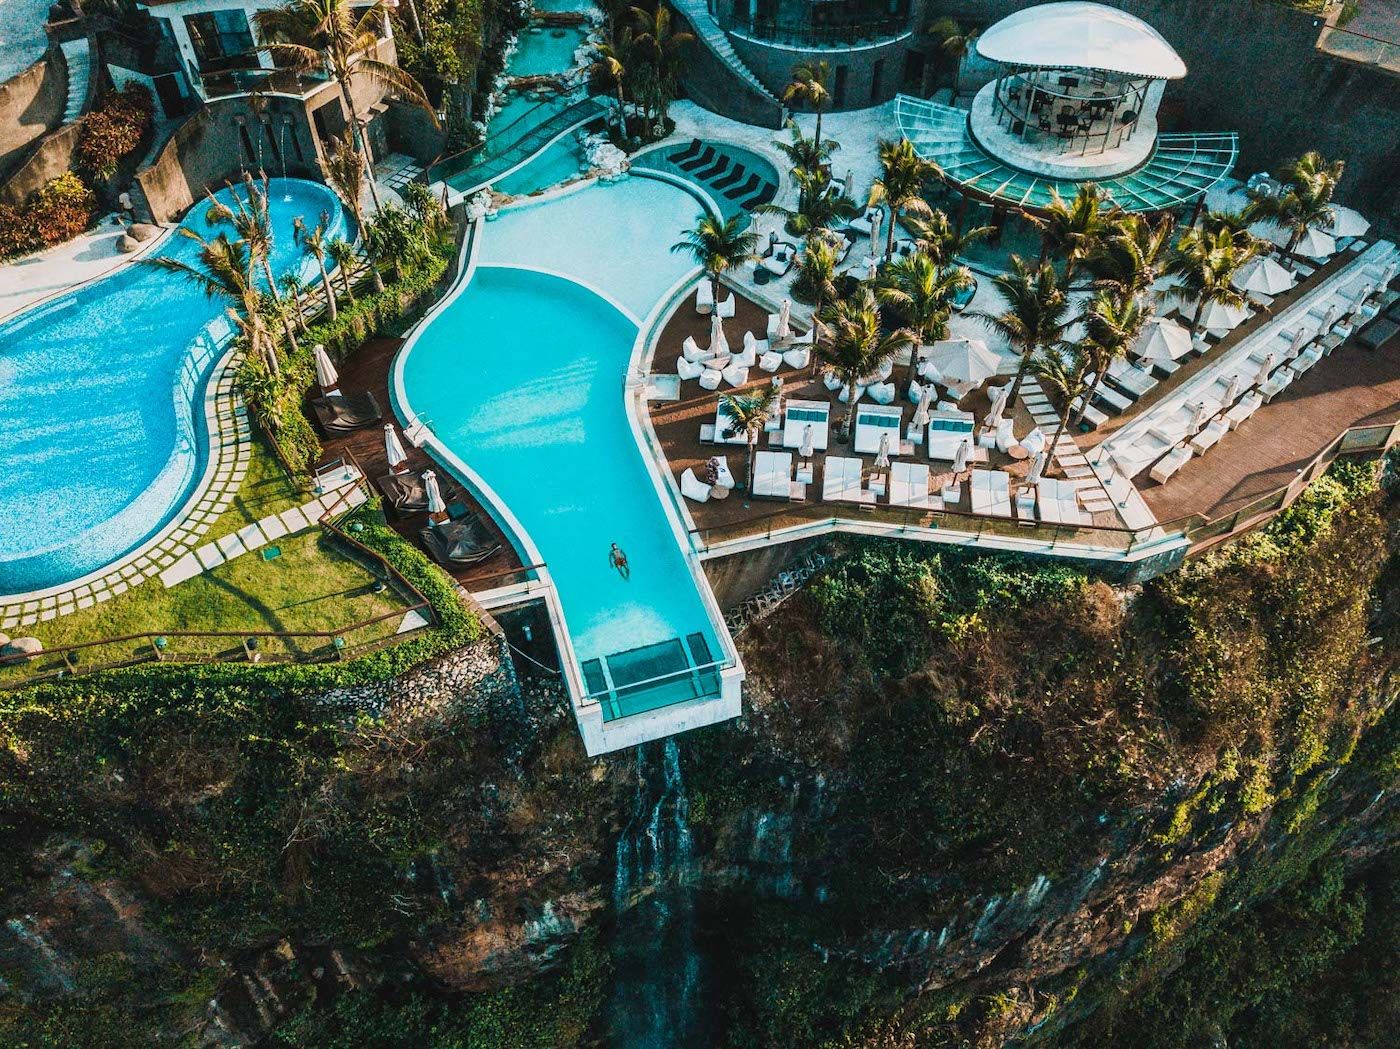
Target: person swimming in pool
<point x="619" y="561"/>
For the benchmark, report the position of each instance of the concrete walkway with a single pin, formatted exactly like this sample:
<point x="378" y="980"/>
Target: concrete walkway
<point x="63" y="267"/>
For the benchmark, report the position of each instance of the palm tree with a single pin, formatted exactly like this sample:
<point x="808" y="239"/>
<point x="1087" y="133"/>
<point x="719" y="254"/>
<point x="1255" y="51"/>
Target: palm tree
<point x="922" y="292"/>
<point x="343" y="254"/>
<point x="810" y="159"/>
<point x="1130" y="261"/>
<point x="935" y="236"/>
<point x="662" y="47"/>
<point x="252" y="222"/>
<point x="1306" y="202"/>
<point x="1036" y="314"/>
<point x="816" y="278"/>
<point x="610" y="67"/>
<point x="953" y="41"/>
<point x="397" y="238"/>
<point x="338" y="38"/>
<point x="1074" y="230"/>
<point x="749" y="412"/>
<point x="809" y="80"/>
<point x="291" y="283"/>
<point x="718" y="247"/>
<point x="1112" y="324"/>
<point x="1206" y="264"/>
<point x="857" y="346"/>
<point x="344" y="169"/>
<point x="900" y="186"/>
<point x="313" y="246"/>
<point x="823" y="209"/>
<point x="1062" y="369"/>
<point x="224" y="269"/>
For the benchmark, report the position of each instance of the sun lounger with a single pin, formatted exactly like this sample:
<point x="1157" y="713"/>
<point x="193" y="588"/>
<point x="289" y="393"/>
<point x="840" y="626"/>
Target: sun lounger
<point x="1130" y="379"/>
<point x="874" y="421"/>
<point x="693" y="351"/>
<point x="764" y="196"/>
<point x="909" y="485"/>
<point x="1090" y="418"/>
<point x="1243" y="409"/>
<point x="1279" y="381"/>
<point x="734" y="176"/>
<point x="704" y="157"/>
<point x="1170" y="464"/>
<point x="690" y="151"/>
<point x="458" y="543"/>
<point x="403" y="491"/>
<point x="1110" y="398"/>
<point x="693" y="488"/>
<point x="772" y="475"/>
<point x="744" y="189"/>
<point x="1209" y="436"/>
<point x="341" y="414"/>
<point x="841" y="481"/>
<point x="1057" y="502"/>
<point x="801" y="414"/>
<point x="946" y="431"/>
<point x="990" y="493"/>
<point x="704" y="297"/>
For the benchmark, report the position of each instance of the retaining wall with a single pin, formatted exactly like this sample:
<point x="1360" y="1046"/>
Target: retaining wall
<point x="31" y="105"/>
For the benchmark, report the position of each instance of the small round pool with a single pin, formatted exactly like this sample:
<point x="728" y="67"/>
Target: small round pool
<point x="101" y="423"/>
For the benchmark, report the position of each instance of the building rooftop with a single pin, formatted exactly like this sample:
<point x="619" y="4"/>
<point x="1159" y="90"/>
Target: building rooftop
<point x="1081" y="36"/>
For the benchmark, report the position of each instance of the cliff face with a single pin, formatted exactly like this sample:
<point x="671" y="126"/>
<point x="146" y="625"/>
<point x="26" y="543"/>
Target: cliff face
<point x="971" y="803"/>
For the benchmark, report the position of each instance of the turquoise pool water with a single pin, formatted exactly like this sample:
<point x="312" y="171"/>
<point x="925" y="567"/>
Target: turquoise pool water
<point x="99" y="436"/>
<point x="562" y="160"/>
<point x="546" y="50"/>
<point x="521" y="376"/>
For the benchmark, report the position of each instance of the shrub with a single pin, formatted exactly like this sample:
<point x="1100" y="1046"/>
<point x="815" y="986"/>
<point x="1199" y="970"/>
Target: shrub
<point x="59" y="211"/>
<point x="113" y="131"/>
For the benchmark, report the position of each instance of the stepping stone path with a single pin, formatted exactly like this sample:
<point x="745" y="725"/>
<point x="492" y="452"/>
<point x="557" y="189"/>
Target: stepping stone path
<point x="258" y="534"/>
<point x="1067" y="454"/>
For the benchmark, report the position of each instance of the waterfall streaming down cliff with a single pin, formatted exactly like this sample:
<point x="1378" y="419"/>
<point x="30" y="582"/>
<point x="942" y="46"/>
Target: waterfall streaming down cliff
<point x="656" y="984"/>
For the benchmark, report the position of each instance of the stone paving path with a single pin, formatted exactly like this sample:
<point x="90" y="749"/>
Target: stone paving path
<point x="1072" y="461"/>
<point x="258" y="534"/>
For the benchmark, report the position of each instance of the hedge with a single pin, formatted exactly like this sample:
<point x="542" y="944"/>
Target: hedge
<point x="62" y="209"/>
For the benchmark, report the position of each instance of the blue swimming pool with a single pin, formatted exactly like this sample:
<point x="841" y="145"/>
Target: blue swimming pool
<point x="521" y="377"/>
<point x="100" y="437"/>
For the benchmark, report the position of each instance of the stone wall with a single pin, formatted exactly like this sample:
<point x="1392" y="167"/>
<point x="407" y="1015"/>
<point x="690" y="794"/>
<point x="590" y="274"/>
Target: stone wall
<point x="31" y="105"/>
<point x="773" y="64"/>
<point x="712" y="84"/>
<point x="1253" y="67"/>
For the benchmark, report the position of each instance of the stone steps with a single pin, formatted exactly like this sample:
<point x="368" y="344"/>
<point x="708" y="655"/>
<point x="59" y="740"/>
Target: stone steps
<point x="717" y="40"/>
<point x="77" y="56"/>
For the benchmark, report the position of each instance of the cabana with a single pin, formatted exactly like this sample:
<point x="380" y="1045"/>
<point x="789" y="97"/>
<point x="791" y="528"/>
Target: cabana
<point x="874" y="421"/>
<point x="802" y="414"/>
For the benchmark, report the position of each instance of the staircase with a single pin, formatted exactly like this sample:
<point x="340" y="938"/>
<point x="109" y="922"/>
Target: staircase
<point x="76" y="56"/>
<point x="716" y="41"/>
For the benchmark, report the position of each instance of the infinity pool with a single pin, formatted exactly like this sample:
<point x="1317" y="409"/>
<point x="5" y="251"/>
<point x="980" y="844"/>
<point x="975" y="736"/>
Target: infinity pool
<point x="99" y="437"/>
<point x="521" y="377"/>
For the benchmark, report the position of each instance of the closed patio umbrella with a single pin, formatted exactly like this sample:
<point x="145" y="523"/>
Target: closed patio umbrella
<point x="326" y="376"/>
<point x="784" y="331"/>
<point x="1232" y="389"/>
<point x="1263" y="275"/>
<point x="1296" y="343"/>
<point x="1198" y="416"/>
<point x="1037" y="467"/>
<point x="872" y="271"/>
<point x="808" y="442"/>
<point x="1264" y="370"/>
<point x="993" y="417"/>
<point x="961" y="456"/>
<point x="966" y="362"/>
<point x="882" y="457"/>
<point x="925" y="404"/>
<point x="437" y="509"/>
<point x="393" y="450"/>
<point x="1328" y="319"/>
<point x="718" y="343"/>
<point x="850" y="184"/>
<point x="876" y="222"/>
<point x="1162" y="340"/>
<point x="1348" y="222"/>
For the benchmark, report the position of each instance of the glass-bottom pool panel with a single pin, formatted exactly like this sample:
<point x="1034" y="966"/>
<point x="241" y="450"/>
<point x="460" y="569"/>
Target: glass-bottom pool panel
<point x="653" y="676"/>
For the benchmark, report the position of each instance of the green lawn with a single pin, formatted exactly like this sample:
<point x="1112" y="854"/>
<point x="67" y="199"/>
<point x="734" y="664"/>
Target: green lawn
<point x="314" y="585"/>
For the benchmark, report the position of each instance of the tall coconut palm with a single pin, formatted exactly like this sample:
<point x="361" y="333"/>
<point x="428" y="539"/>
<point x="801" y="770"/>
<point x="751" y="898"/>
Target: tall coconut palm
<point x="343" y="254"/>
<point x="1073" y="230"/>
<point x="610" y="68"/>
<point x="313" y="246"/>
<point x="857" y="346"/>
<point x="1063" y="369"/>
<point x="935" y="236"/>
<point x="344" y="169"/>
<point x="718" y="247"/>
<point x="1111" y="325"/>
<point x="1206" y="264"/>
<point x="815" y="282"/>
<point x="824" y="208"/>
<point x="250" y="219"/>
<point x="661" y="46"/>
<point x="294" y="287"/>
<point x="748" y="412"/>
<point x="1036" y="314"/>
<point x="900" y="185"/>
<point x="1131" y="260"/>
<point x="398" y="238"/>
<point x="922" y="293"/>
<point x="224" y="270"/>
<point x="338" y="38"/>
<point x="1306" y="201"/>
<point x="810" y="161"/>
<point x="808" y="86"/>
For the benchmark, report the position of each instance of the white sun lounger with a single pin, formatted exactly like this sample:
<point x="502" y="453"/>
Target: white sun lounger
<point x="909" y="485"/>
<point x="1210" y="435"/>
<point x="1131" y="379"/>
<point x="1243" y="409"/>
<point x="946" y="430"/>
<point x="841" y="481"/>
<point x="772" y="475"/>
<point x="873" y="421"/>
<point x="990" y="493"/>
<point x="1170" y="464"/>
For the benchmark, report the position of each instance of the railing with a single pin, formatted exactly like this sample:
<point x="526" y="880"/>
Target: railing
<point x="802" y="34"/>
<point x="1360" y="47"/>
<point x="232" y="82"/>
<point x="487" y="164"/>
<point x="250" y="646"/>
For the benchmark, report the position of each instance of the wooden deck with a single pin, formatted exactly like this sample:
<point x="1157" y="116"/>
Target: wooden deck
<point x="368" y="369"/>
<point x="1352" y="387"/>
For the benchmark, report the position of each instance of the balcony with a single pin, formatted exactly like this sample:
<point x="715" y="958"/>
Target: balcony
<point x="233" y="82"/>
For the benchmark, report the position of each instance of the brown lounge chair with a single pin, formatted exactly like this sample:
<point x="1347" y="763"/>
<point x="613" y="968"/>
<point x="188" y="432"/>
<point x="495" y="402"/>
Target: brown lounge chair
<point x="458" y="543"/>
<point x="404" y="492"/>
<point x="339" y="414"/>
